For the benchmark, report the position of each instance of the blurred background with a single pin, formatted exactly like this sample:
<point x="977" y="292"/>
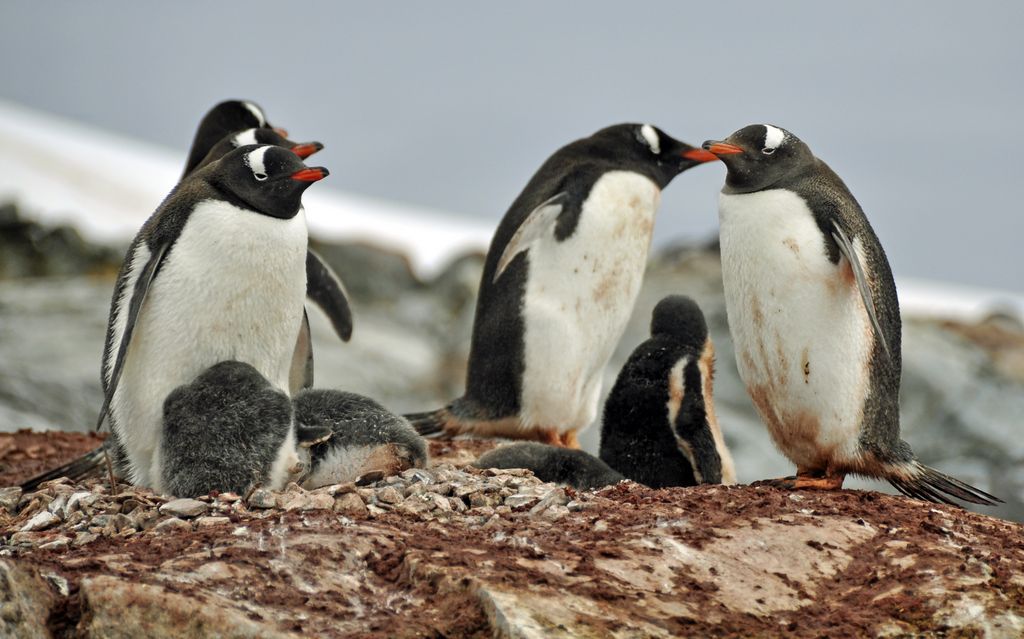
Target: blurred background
<point x="435" y="115"/>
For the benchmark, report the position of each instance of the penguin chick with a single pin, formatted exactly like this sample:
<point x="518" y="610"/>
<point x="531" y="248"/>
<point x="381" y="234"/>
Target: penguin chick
<point x="659" y="426"/>
<point x="364" y="437"/>
<point x="559" y="283"/>
<point x="815" y="319"/>
<point x="228" y="430"/>
<point x="575" y="468"/>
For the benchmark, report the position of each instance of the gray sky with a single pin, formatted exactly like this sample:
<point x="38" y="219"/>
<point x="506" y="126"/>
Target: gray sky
<point x="453" y="105"/>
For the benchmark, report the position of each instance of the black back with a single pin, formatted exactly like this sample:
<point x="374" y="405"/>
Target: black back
<point x="230" y="116"/>
<point x="223" y="431"/>
<point x="637" y="438"/>
<point x="496" y="360"/>
<point x="575" y="468"/>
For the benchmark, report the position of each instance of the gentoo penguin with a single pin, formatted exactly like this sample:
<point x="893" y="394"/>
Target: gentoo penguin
<point x="246" y="137"/>
<point x="559" y="283"/>
<point x="217" y="272"/>
<point x="228" y="430"/>
<point x="567" y="466"/>
<point x="659" y="425"/>
<point x="364" y="437"/>
<point x="225" y="118"/>
<point x="814" y="317"/>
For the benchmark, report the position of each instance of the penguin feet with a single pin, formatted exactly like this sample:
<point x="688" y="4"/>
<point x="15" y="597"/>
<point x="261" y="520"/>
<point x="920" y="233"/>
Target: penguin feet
<point x="806" y="479"/>
<point x="570" y="440"/>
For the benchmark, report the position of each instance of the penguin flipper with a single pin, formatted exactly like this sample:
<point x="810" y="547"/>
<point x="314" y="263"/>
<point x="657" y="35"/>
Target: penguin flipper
<point x="300" y="374"/>
<point x="142" y="285"/>
<point x="847" y="250"/>
<point x="326" y="290"/>
<point x="89" y="464"/>
<point x="540" y="221"/>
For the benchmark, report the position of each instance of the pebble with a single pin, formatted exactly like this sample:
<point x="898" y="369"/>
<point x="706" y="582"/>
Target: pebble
<point x="320" y="501"/>
<point x="206" y="522"/>
<point x="184" y="508"/>
<point x="171" y="525"/>
<point x="60" y="543"/>
<point x="84" y="538"/>
<point x="9" y="498"/>
<point x="262" y="498"/>
<point x="389" y="495"/>
<point x="554" y="497"/>
<point x="350" y="504"/>
<point x="519" y="500"/>
<point x="41" y="521"/>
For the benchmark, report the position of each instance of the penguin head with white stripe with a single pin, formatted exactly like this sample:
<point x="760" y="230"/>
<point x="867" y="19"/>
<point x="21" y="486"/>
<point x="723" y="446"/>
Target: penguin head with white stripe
<point x="680" y="318"/>
<point x="225" y="118"/>
<point x="643" y="148"/>
<point x="258" y="136"/>
<point x="759" y="156"/>
<point x="264" y="178"/>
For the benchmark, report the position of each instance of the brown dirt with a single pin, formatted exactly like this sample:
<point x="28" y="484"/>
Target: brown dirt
<point x="24" y="454"/>
<point x="411" y="569"/>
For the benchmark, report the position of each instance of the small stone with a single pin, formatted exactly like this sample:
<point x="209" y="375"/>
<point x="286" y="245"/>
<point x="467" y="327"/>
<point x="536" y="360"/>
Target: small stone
<point x="58" y="582"/>
<point x="184" y="508"/>
<point x="295" y="501"/>
<point x="142" y="518"/>
<point x="457" y="504"/>
<point x="172" y="524"/>
<point x="79" y="501"/>
<point x="389" y="495"/>
<point x="240" y="531"/>
<point x="366" y="494"/>
<point x="442" y="488"/>
<point x="23" y="538"/>
<point x="60" y="543"/>
<point x="262" y="498"/>
<point x="415" y="489"/>
<point x="116" y="524"/>
<point x="57" y="505"/>
<point x="493" y="522"/>
<point x="336" y="489"/>
<point x="374" y="510"/>
<point x="600" y="525"/>
<point x="441" y="503"/>
<point x="85" y="538"/>
<point x="554" y="513"/>
<point x="129" y="505"/>
<point x="465" y="490"/>
<point x="320" y="501"/>
<point x="481" y="499"/>
<point x="206" y="522"/>
<point x="519" y="500"/>
<point x="350" y="504"/>
<point x="228" y="498"/>
<point x="9" y="497"/>
<point x="415" y="506"/>
<point x="41" y="521"/>
<point x="553" y="497"/>
<point x="371" y="477"/>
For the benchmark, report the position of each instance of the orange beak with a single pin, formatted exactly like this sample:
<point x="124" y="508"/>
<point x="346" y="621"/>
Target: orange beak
<point x="306" y="149"/>
<point x="314" y="174"/>
<point x="721" y="148"/>
<point x="700" y="155"/>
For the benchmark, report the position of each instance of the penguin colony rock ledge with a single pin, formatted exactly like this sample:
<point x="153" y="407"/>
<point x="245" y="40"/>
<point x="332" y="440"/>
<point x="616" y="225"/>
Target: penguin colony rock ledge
<point x="446" y="551"/>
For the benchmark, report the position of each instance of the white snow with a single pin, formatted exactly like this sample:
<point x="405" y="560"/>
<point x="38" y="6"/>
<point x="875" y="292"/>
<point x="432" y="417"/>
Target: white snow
<point x="107" y="185"/>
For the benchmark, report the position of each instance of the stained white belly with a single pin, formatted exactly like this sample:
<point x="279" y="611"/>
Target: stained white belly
<point x="579" y="295"/>
<point x="232" y="287"/>
<point x="800" y="330"/>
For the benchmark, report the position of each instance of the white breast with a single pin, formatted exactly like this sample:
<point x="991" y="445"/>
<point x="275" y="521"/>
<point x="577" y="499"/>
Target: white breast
<point x="579" y="295"/>
<point x="801" y="333"/>
<point x="232" y="287"/>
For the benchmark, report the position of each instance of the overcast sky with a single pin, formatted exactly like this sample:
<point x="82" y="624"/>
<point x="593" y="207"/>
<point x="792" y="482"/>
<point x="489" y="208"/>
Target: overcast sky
<point x="453" y="105"/>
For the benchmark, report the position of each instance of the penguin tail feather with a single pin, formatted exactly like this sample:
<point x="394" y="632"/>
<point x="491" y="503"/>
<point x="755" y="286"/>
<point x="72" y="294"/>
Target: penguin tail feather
<point x="432" y="423"/>
<point x="91" y="464"/>
<point x="923" y="482"/>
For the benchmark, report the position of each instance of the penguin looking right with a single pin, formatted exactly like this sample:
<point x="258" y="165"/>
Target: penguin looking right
<point x="559" y="283"/>
<point x="659" y="426"/>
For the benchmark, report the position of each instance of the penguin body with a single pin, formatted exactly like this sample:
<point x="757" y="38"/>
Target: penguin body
<point x="227" y="430"/>
<point x="559" y="283"/>
<point x="216" y="273"/>
<point x="363" y="437"/>
<point x="814" y="316"/>
<point x="574" y="468"/>
<point x="659" y="426"/>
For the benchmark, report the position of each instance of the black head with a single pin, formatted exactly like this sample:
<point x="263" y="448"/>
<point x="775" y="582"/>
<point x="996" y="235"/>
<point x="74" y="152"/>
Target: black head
<point x="267" y="179"/>
<point x="230" y="116"/>
<point x="760" y="156"/>
<point x="645" y="149"/>
<point x="679" y="317"/>
<point x="258" y="136"/>
<point x="233" y="374"/>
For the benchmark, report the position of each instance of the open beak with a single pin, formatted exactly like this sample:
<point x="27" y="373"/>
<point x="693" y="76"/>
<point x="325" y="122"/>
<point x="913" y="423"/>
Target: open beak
<point x="700" y="155"/>
<point x="314" y="174"/>
<point x="307" y="149"/>
<point x="721" y="148"/>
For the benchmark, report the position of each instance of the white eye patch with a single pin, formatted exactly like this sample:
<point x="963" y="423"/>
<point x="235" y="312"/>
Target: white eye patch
<point x="651" y="137"/>
<point x="254" y="160"/>
<point x="773" y="137"/>
<point x="245" y="138"/>
<point x="256" y="111"/>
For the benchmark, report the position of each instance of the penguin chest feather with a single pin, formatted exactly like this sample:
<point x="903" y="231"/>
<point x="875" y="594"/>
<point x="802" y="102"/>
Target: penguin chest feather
<point x="231" y="287"/>
<point x="802" y="334"/>
<point x="579" y="295"/>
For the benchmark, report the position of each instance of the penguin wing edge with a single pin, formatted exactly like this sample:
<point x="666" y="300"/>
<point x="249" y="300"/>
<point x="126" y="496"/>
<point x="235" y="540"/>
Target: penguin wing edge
<point x="541" y="220"/>
<point x="324" y="287"/>
<point x="142" y="285"/>
<point x="847" y="249"/>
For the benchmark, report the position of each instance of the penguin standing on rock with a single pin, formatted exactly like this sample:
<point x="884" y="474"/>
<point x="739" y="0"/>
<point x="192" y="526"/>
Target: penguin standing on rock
<point x="217" y="272"/>
<point x="362" y="437"/>
<point x="814" y="316"/>
<point x="659" y="426"/>
<point x="559" y="283"/>
<point x="228" y="430"/>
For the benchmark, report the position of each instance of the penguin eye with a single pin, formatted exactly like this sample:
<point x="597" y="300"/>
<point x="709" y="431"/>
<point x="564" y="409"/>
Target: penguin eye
<point x="768" y="150"/>
<point x="260" y="177"/>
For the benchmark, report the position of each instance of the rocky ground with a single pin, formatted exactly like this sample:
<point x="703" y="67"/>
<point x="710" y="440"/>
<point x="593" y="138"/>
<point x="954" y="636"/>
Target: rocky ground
<point x="450" y="551"/>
